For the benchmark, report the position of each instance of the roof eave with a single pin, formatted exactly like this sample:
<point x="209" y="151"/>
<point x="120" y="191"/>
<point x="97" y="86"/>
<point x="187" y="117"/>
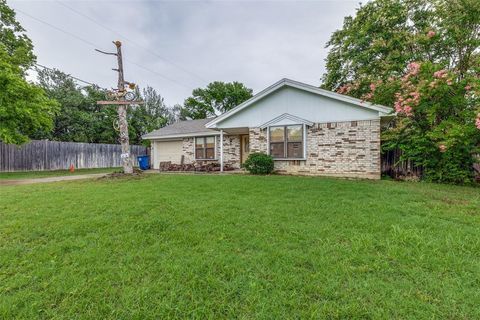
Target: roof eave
<point x="302" y="86"/>
<point x="185" y="135"/>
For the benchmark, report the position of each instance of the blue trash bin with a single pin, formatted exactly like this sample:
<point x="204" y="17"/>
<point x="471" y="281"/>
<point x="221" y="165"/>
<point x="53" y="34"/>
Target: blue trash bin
<point x="144" y="162"/>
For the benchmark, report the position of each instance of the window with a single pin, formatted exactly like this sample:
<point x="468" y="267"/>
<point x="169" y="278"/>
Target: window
<point x="286" y="141"/>
<point x="205" y="148"/>
<point x="277" y="142"/>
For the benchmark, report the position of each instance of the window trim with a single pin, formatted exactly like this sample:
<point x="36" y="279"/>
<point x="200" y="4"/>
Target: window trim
<point x="215" y="158"/>
<point x="304" y="141"/>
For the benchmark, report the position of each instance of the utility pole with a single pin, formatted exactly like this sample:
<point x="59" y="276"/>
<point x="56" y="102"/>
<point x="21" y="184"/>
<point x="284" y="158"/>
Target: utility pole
<point x="122" y="115"/>
<point x="122" y="103"/>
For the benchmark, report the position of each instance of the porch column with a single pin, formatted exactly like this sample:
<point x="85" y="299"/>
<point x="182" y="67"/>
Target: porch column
<point x="221" y="150"/>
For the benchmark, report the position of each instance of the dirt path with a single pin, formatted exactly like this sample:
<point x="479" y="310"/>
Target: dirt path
<point x="14" y="182"/>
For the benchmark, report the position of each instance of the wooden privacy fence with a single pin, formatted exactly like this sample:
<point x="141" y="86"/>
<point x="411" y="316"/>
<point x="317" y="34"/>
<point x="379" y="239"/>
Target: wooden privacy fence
<point x="54" y="155"/>
<point x="393" y="167"/>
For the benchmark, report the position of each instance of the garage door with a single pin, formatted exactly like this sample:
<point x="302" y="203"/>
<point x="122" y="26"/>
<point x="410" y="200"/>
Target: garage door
<point x="168" y="151"/>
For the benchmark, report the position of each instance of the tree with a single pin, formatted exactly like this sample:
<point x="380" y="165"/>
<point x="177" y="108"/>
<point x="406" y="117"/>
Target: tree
<point x="151" y="115"/>
<point x="422" y="57"/>
<point x="18" y="48"/>
<point x="386" y="35"/>
<point x="438" y="122"/>
<point x="24" y="107"/>
<point x="80" y="118"/>
<point x="217" y="97"/>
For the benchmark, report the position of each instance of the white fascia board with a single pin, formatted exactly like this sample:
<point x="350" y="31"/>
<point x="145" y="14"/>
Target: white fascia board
<point x="185" y="135"/>
<point x="383" y="110"/>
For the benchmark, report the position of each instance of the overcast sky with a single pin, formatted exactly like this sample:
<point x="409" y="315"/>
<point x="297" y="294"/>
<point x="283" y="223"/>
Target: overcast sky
<point x="176" y="46"/>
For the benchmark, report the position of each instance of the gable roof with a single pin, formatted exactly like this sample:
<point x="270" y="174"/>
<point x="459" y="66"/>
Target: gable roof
<point x="301" y="86"/>
<point x="287" y="117"/>
<point x="182" y="129"/>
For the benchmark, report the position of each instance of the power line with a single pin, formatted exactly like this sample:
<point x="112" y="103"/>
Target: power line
<point x="132" y="41"/>
<point x="70" y="76"/>
<point x="94" y="46"/>
<point x="57" y="28"/>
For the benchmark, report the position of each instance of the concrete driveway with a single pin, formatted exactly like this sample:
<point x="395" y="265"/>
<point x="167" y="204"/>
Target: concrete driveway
<point x="14" y="182"/>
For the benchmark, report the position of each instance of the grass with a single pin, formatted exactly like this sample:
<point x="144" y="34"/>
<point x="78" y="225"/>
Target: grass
<point x="52" y="173"/>
<point x="235" y="246"/>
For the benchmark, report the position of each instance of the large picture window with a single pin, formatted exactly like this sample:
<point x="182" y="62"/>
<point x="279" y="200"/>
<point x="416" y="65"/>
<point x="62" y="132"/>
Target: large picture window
<point x="286" y="141"/>
<point x="204" y="148"/>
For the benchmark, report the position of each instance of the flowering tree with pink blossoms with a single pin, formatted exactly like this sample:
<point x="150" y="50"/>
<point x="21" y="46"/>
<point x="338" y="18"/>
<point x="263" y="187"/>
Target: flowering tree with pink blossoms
<point x="422" y="58"/>
<point x="436" y="124"/>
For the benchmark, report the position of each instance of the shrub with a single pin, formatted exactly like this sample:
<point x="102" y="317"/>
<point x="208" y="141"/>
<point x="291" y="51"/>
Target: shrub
<point x="437" y="112"/>
<point x="259" y="163"/>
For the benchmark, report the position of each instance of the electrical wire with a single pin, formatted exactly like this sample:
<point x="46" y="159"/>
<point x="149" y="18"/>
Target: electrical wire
<point x="131" y="41"/>
<point x="94" y="46"/>
<point x="70" y="76"/>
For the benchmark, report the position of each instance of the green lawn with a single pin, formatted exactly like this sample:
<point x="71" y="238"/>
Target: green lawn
<point x="52" y="173"/>
<point x="239" y="246"/>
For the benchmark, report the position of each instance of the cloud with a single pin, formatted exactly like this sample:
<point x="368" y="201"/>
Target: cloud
<point x="182" y="45"/>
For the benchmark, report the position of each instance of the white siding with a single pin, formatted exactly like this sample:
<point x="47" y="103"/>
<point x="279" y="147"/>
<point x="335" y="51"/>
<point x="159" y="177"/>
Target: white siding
<point x="166" y="151"/>
<point x="299" y="103"/>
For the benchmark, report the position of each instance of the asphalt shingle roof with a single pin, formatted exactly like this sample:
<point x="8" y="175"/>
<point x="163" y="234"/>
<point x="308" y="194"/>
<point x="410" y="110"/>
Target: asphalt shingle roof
<point x="181" y="128"/>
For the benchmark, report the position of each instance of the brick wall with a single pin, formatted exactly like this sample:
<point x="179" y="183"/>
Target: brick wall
<point x="231" y="150"/>
<point x="344" y="149"/>
<point x="258" y="140"/>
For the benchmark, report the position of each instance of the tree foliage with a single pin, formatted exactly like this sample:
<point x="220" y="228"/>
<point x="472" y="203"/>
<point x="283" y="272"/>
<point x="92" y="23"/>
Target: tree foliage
<point x="81" y="119"/>
<point x="217" y="97"/>
<point x="151" y="115"/>
<point x="24" y="107"/>
<point x="386" y="35"/>
<point x="423" y="58"/>
<point x="16" y="45"/>
<point x="438" y="122"/>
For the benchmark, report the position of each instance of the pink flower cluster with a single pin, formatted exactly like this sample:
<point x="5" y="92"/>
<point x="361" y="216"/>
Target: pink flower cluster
<point x="477" y="121"/>
<point x="413" y="68"/>
<point x="405" y="105"/>
<point x="440" y="74"/>
<point x="346" y="88"/>
<point x="431" y="34"/>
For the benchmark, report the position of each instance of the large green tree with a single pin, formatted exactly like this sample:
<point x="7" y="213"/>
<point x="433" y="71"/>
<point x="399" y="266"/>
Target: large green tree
<point x="217" y="97"/>
<point x="13" y="40"/>
<point x="80" y="118"/>
<point x="422" y="57"/>
<point x="386" y="35"/>
<point x="24" y="107"/>
<point x="151" y="115"/>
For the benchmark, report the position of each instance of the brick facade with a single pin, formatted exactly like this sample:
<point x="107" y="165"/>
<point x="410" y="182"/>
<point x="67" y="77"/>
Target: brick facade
<point x="231" y="151"/>
<point x="258" y="140"/>
<point x="343" y="149"/>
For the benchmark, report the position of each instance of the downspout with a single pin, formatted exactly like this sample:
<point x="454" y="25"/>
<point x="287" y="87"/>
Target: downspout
<point x="221" y="150"/>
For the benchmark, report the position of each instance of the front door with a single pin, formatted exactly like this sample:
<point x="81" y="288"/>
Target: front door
<point x="245" y="146"/>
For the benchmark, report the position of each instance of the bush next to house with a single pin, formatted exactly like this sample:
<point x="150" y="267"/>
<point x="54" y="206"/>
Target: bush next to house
<point x="259" y="163"/>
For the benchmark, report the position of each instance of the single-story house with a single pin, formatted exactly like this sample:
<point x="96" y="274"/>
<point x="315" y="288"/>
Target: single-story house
<point x="307" y="130"/>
